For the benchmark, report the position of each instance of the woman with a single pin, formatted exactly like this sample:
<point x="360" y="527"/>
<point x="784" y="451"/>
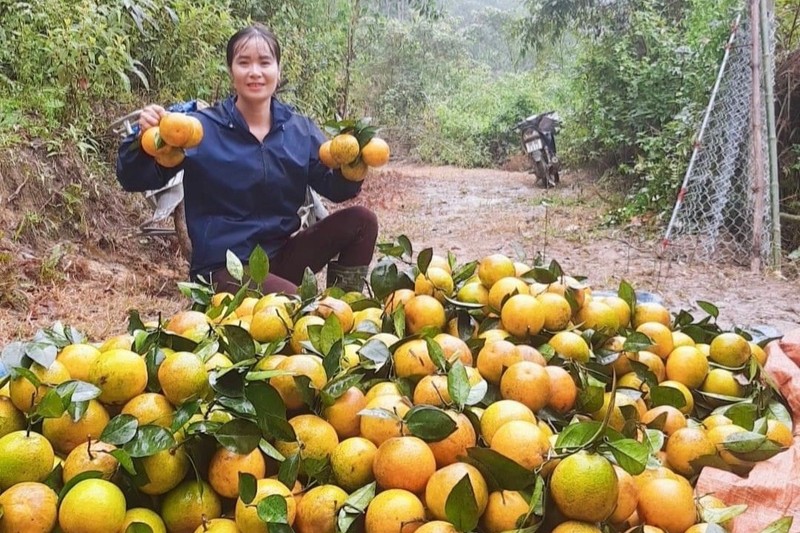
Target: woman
<point x="245" y="182"/>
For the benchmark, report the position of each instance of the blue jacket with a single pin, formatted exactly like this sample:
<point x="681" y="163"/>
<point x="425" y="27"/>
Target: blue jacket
<point x="239" y="192"/>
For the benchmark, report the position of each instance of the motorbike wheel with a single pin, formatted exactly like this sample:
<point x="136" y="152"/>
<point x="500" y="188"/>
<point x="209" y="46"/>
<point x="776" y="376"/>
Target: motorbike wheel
<point x="540" y="170"/>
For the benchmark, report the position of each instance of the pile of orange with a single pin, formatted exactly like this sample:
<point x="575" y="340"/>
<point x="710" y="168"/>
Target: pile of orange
<point x="167" y="141"/>
<point x="344" y="152"/>
<point x="486" y="396"/>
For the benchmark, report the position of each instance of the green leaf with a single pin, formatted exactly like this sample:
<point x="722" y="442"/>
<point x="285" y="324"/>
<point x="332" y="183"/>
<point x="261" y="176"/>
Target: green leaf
<point x="708" y="307"/>
<point x="336" y="387"/>
<point x="627" y="293"/>
<point x="461" y="508"/>
<point x="51" y="405"/>
<point x="27" y="374"/>
<point x="305" y="388"/>
<point x="270" y="411"/>
<point x="239" y="436"/>
<point x="376" y="351"/>
<point x="183" y="414"/>
<point x="637" y="342"/>
<point x="458" y="384"/>
<point x="330" y="334"/>
<point x="477" y="393"/>
<point x="355" y="506"/>
<point x="720" y="515"/>
<point x="779" y="412"/>
<point x="43" y="353"/>
<point x="120" y="430"/>
<point x="308" y="287"/>
<point x="631" y="455"/>
<point x="429" y="423"/>
<point x="228" y="381"/>
<point x="509" y="474"/>
<point x="134" y="321"/>
<point x="464" y="272"/>
<point x="664" y="395"/>
<point x="385" y="278"/>
<point x="259" y="265"/>
<point x="782" y="525"/>
<point x="247" y="487"/>
<point x="150" y="440"/>
<point x="399" y="321"/>
<point x="289" y="469"/>
<point x="91" y="474"/>
<point x="436" y="353"/>
<point x="273" y="510"/>
<point x="238" y="343"/>
<point x="424" y="260"/>
<point x="577" y="435"/>
<point x="234" y="266"/>
<point x="405" y="244"/>
<point x="124" y="460"/>
<point x="742" y="414"/>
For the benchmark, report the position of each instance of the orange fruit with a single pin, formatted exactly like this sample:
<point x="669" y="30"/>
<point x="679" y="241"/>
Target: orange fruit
<point x="296" y="365"/>
<point x="88" y="456"/>
<point x="171" y="158"/>
<point x="597" y="315"/>
<point x="584" y="486"/>
<point x="654" y="363"/>
<point x="442" y="481"/>
<point x="343" y="415"/>
<point x="92" y="506"/>
<point x="627" y="497"/>
<point x="759" y="353"/>
<point x="527" y="383"/>
<point x="375" y="153"/>
<point x="495" y="267"/>
<point x="119" y="374"/>
<point x="501" y="412"/>
<point x="437" y="526"/>
<point x="687" y="394"/>
<point x="150" y="408"/>
<point x="685" y="445"/>
<point x="448" y="450"/>
<point x="247" y="519"/>
<point x="152" y="143"/>
<point x="687" y="365"/>
<point x="197" y="132"/>
<point x="379" y="429"/>
<point x="176" y="129"/>
<point x="722" y="381"/>
<point x="316" y="439"/>
<point x="620" y="307"/>
<point x="351" y="463"/>
<point x="65" y="434"/>
<point x="183" y="378"/>
<point x="318" y="509"/>
<point x="575" y="526"/>
<point x="673" y="418"/>
<point x="661" y="337"/>
<point x="412" y="360"/>
<point x="563" y="391"/>
<point x="651" y="312"/>
<point x="432" y="390"/>
<point x="522" y="315"/>
<point x="390" y="465"/>
<point x="25" y="395"/>
<point x="397" y="298"/>
<point x="570" y="345"/>
<point x="729" y="349"/>
<point x="355" y="171"/>
<point x="668" y="504"/>
<point x="556" y="309"/>
<point x="394" y="510"/>
<point x="454" y="348"/>
<point x="779" y="432"/>
<point x="495" y="357"/>
<point x="77" y="358"/>
<point x="435" y="282"/>
<point x="325" y="155"/>
<point x="504" y="511"/>
<point x="523" y="442"/>
<point x="344" y="148"/>
<point x="272" y="323"/>
<point x="225" y="467"/>
<point x="423" y="311"/>
<point x="503" y="289"/>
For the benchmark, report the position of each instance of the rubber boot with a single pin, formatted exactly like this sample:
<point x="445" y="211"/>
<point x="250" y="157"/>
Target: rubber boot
<point x="347" y="278"/>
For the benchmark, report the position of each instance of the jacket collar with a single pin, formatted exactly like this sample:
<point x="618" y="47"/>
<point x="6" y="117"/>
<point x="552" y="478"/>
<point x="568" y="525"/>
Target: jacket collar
<point x="230" y="113"/>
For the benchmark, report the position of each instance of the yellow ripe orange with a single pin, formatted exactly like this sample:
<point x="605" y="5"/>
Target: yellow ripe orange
<point x="325" y="155"/>
<point x="556" y="309"/>
<point x="575" y="526"/>
<point x="680" y="338"/>
<point x="503" y="289"/>
<point x="442" y="481"/>
<point x="355" y="171"/>
<point x="152" y="143"/>
<point x="197" y="132"/>
<point x="495" y="267"/>
<point x="11" y="418"/>
<point x="729" y="349"/>
<point x="184" y="322"/>
<point x="246" y="306"/>
<point x="383" y="388"/>
<point x="722" y="381"/>
<point x="375" y="153"/>
<point x="300" y="331"/>
<point x="495" y="357"/>
<point x="527" y="383"/>
<point x="448" y="450"/>
<point x="77" y="358"/>
<point x="423" y="311"/>
<point x="719" y="435"/>
<point x="295" y="365"/>
<point x="620" y="307"/>
<point x="474" y="293"/>
<point x="340" y="308"/>
<point x="164" y="470"/>
<point x="435" y="282"/>
<point x="270" y="324"/>
<point x="504" y="510"/>
<point x="183" y="378"/>
<point x="124" y="340"/>
<point x="30" y="507"/>
<point x="522" y="315"/>
<point x="563" y="391"/>
<point x="710" y="502"/>
<point x="119" y="374"/>
<point x="171" y="158"/>
<point x="351" y="463"/>
<point x="176" y="129"/>
<point x="687" y="394"/>
<point x="673" y="418"/>
<point x="759" y="353"/>
<point x="412" y="360"/>
<point x="668" y="504"/>
<point x="344" y="148"/>
<point x="394" y="510"/>
<point x="597" y="315"/>
<point x="225" y="467"/>
<point x="247" y="519"/>
<point x="396" y="299"/>
<point x="584" y="486"/>
<point x="618" y="417"/>
<point x="627" y="497"/>
<point x="686" y="445"/>
<point x="661" y="337"/>
<point x="779" y="432"/>
<point x="529" y="353"/>
<point x="523" y="442"/>
<point x="65" y="434"/>
<point x="316" y="439"/>
<point x="92" y="506"/>
<point x="654" y="363"/>
<point x="432" y="390"/>
<point x="91" y="455"/>
<point x="570" y="345"/>
<point x="437" y="526"/>
<point x="391" y="464"/>
<point x="440" y="262"/>
<point x="318" y="509"/>
<point x="651" y="312"/>
<point x="25" y="395"/>
<point x="343" y="415"/>
<point x="500" y="413"/>
<point x="712" y="421"/>
<point x="454" y="348"/>
<point x="379" y="429"/>
<point x="687" y="365"/>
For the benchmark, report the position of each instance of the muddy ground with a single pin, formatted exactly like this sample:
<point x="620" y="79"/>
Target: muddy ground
<point x="471" y="213"/>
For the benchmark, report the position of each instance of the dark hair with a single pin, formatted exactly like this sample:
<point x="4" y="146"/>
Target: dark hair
<point x="256" y="31"/>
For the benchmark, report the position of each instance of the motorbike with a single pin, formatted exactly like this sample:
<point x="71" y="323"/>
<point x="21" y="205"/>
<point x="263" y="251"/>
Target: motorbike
<point x="539" y="141"/>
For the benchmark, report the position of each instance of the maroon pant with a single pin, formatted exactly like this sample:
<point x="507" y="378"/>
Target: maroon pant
<point x="349" y="233"/>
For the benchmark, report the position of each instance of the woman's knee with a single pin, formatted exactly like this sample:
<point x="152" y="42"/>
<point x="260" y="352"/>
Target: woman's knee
<point x="366" y="218"/>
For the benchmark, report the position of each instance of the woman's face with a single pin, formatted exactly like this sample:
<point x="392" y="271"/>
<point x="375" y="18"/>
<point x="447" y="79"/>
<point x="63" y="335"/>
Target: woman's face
<point x="255" y="71"/>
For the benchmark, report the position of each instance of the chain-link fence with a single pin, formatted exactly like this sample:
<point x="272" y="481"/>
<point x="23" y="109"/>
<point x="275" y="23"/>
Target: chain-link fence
<point x="714" y="219"/>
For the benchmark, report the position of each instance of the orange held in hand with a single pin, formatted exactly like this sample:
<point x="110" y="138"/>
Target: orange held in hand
<point x="375" y="153"/>
<point x="179" y="130"/>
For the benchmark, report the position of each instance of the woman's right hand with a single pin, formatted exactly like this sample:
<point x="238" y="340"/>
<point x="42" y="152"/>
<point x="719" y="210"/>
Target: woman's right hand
<point x="150" y="116"/>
